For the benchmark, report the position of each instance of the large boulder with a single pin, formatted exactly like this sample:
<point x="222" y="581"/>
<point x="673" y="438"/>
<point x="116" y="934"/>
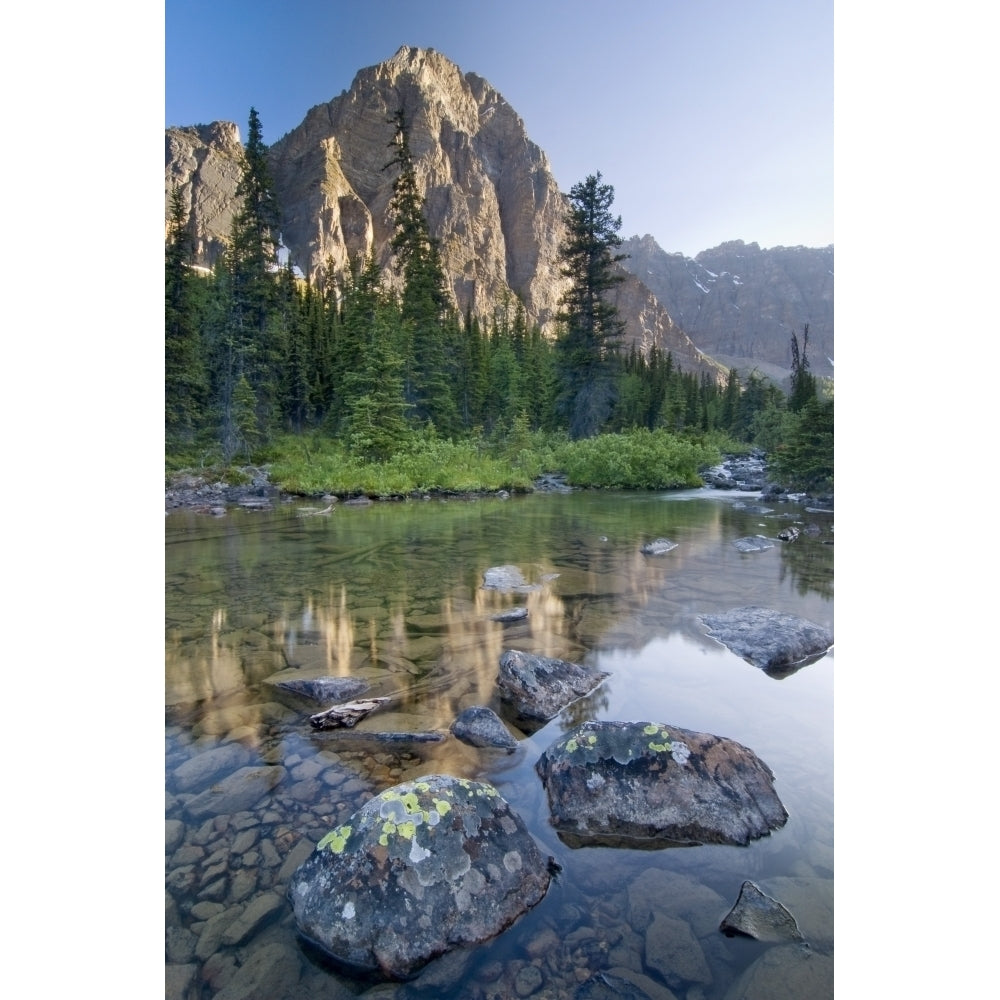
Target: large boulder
<point x="776" y="642"/>
<point x="645" y="784"/>
<point x="538" y="688"/>
<point x="424" y="867"/>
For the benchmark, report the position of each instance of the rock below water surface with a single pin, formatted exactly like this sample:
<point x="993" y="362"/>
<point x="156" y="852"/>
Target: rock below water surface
<point x="644" y="784"/>
<point x="424" y="867"/>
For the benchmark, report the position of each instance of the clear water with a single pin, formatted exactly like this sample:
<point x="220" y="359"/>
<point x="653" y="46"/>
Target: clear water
<point x="392" y="593"/>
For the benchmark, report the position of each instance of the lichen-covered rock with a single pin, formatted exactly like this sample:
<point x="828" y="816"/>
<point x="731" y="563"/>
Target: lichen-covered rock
<point x="757" y="915"/>
<point x="649" y="784"/>
<point x="482" y="727"/>
<point x="771" y="640"/>
<point x="423" y="867"/>
<point x="538" y="688"/>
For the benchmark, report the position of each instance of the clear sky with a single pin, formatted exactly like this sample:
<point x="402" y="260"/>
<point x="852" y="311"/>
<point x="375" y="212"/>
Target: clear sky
<point x="712" y="119"/>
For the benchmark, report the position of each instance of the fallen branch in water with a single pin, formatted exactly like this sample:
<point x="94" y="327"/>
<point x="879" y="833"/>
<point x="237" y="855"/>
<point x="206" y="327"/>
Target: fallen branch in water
<point x="346" y="715"/>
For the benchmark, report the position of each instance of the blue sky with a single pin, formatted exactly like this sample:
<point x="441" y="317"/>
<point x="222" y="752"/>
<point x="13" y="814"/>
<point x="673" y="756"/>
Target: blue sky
<point x="712" y="119"/>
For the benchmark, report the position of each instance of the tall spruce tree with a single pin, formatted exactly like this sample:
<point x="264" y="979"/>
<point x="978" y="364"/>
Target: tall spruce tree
<point x="432" y="331"/>
<point x="185" y="384"/>
<point x="254" y="348"/>
<point x="587" y="347"/>
<point x="803" y="382"/>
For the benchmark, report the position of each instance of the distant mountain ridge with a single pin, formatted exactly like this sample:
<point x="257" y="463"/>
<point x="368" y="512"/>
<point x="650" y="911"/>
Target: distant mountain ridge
<point x="491" y="199"/>
<point x="741" y="304"/>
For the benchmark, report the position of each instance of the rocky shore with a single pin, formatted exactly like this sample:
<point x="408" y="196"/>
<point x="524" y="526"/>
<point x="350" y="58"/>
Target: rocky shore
<point x="189" y="490"/>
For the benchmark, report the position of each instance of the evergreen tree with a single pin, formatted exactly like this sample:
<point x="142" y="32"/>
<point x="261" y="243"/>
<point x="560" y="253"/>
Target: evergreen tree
<point x="430" y="326"/>
<point x="803" y="382"/>
<point x="253" y="349"/>
<point x="588" y="344"/>
<point x="184" y="372"/>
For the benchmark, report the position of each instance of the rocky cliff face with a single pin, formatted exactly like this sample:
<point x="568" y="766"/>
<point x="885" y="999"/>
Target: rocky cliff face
<point x="491" y="199"/>
<point x="205" y="161"/>
<point x="741" y="304"/>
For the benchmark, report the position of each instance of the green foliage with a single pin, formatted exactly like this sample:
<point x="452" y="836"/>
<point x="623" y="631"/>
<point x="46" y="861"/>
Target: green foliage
<point x="804" y="459"/>
<point x="411" y="397"/>
<point x="641" y="459"/>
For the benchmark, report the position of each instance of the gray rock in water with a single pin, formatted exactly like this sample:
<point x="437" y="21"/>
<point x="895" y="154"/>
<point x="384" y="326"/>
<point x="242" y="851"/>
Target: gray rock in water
<point x="422" y="868"/>
<point x="753" y="543"/>
<point x="788" y="534"/>
<point x="272" y="970"/>
<point x="657" y="547"/>
<point x="511" y="615"/>
<point x="757" y="915"/>
<point x="605" y="986"/>
<point x="776" y="642"/>
<point x="508" y="579"/>
<point x="240" y="790"/>
<point x="482" y="727"/>
<point x="194" y="774"/>
<point x="786" y="972"/>
<point x="636" y="784"/>
<point x="328" y="690"/>
<point x="540" y="687"/>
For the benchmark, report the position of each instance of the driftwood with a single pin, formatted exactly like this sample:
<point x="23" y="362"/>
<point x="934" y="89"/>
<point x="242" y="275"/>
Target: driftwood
<point x="346" y="715"/>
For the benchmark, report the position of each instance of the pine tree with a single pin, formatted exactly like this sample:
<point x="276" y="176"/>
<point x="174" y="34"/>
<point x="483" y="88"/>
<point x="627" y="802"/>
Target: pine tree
<point x="431" y="327"/>
<point x="803" y="383"/>
<point x="185" y="383"/>
<point x="254" y="347"/>
<point x="588" y="344"/>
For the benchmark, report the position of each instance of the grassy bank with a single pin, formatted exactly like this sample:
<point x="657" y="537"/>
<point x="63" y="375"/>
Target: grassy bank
<point x="313" y="464"/>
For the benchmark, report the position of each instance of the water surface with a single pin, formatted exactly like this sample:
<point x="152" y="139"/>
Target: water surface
<point x="392" y="593"/>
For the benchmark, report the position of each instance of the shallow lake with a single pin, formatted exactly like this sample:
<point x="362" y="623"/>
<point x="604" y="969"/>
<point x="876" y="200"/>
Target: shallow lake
<point x="393" y="594"/>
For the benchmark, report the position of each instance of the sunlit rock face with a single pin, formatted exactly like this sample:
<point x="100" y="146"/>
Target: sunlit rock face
<point x="423" y="867"/>
<point x="204" y="162"/>
<point x="645" y="784"/>
<point x="491" y="200"/>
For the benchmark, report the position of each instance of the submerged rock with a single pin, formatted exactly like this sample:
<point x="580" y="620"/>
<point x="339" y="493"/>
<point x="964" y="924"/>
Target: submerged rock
<point x="539" y="687"/>
<point x="424" y="867"/>
<point x="644" y="784"/>
<point x="757" y="915"/>
<point x="753" y="543"/>
<point x="510" y="615"/>
<point x="605" y="986"/>
<point x="238" y="791"/>
<point x="482" y="727"/>
<point x="327" y="690"/>
<point x="771" y="640"/>
<point x="657" y="547"/>
<point x="508" y="579"/>
<point x="786" y="972"/>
